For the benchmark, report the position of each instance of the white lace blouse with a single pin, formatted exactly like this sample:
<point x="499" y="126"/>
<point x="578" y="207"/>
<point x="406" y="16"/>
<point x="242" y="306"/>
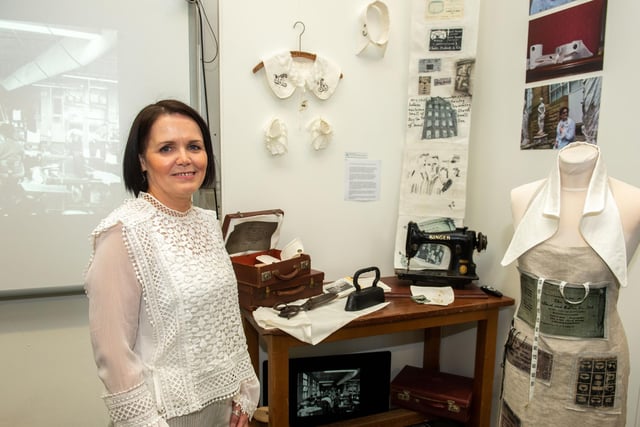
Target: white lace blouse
<point x="164" y="316"/>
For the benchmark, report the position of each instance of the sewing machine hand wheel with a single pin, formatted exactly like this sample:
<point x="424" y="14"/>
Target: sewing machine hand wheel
<point x="481" y="242"/>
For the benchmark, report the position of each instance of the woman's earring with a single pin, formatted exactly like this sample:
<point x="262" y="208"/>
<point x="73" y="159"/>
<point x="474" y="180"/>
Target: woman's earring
<point x="144" y="176"/>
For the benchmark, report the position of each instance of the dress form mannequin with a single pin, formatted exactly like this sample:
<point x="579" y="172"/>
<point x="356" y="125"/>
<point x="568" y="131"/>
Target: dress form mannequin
<point x="575" y="233"/>
<point x="576" y="163"/>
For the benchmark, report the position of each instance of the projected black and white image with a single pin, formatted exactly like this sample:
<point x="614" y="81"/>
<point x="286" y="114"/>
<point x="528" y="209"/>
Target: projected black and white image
<point x="328" y="392"/>
<point x="59" y="120"/>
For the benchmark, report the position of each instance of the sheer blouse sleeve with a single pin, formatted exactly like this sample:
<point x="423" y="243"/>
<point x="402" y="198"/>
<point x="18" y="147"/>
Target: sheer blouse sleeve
<point x="248" y="396"/>
<point x="114" y="306"/>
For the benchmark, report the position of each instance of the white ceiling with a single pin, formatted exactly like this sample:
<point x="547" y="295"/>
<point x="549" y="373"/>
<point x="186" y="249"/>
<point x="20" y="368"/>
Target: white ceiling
<point x="19" y="47"/>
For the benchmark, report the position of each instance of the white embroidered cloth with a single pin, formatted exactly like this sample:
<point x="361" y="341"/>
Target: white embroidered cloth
<point x="315" y="325"/>
<point x="285" y="74"/>
<point x="436" y="295"/>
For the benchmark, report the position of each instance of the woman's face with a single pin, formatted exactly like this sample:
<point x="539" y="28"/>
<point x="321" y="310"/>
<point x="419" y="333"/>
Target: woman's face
<point x="175" y="160"/>
<point x="564" y="113"/>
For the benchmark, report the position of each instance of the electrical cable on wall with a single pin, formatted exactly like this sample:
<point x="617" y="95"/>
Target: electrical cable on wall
<point x="202" y="19"/>
<point x="202" y="16"/>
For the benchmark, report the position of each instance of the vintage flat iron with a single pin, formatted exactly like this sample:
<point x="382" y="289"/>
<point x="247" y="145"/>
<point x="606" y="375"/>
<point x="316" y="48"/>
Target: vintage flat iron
<point x="446" y="255"/>
<point x="364" y="298"/>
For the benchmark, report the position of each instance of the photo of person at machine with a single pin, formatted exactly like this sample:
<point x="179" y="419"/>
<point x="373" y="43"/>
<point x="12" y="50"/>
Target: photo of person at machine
<point x="444" y="257"/>
<point x="329" y="392"/>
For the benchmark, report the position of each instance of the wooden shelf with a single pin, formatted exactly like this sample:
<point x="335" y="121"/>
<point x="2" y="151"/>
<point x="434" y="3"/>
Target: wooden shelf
<point x="392" y="418"/>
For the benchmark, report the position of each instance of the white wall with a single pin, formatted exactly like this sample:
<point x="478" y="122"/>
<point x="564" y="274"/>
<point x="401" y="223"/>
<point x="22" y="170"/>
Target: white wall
<point x="497" y="165"/>
<point x="368" y="113"/>
<point x="45" y="363"/>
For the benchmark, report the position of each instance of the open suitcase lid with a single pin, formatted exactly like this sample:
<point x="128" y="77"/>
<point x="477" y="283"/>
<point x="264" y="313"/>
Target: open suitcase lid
<point x="249" y="232"/>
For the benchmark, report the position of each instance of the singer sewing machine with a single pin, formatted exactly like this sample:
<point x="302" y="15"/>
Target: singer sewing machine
<point x="444" y="258"/>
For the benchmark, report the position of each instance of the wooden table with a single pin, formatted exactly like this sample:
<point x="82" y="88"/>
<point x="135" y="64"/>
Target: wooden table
<point x="400" y="315"/>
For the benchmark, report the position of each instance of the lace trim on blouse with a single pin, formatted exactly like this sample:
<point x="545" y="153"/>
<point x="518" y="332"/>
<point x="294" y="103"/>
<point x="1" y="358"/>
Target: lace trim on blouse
<point x="132" y="408"/>
<point x="162" y="208"/>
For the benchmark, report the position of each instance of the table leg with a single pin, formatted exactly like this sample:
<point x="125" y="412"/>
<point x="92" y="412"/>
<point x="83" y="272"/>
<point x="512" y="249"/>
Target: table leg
<point x="431" y="351"/>
<point x="278" y="354"/>
<point x="484" y="370"/>
<point x="253" y="345"/>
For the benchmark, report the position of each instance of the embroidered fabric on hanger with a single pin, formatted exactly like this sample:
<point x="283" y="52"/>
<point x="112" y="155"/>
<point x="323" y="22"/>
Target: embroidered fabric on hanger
<point x="285" y="73"/>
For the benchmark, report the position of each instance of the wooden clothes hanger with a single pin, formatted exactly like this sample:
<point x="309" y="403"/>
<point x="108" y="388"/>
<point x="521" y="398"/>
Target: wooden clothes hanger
<point x="294" y="53"/>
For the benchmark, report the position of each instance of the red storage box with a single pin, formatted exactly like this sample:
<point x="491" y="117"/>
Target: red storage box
<point x="433" y="393"/>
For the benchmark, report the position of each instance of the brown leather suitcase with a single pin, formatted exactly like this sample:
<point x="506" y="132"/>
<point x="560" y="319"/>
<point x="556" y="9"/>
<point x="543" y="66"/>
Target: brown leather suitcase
<point x="306" y="286"/>
<point x="433" y="393"/>
<point x="251" y="234"/>
<point x="249" y="270"/>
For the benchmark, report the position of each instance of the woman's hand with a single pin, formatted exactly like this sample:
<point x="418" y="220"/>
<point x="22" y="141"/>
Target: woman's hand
<point x="238" y="418"/>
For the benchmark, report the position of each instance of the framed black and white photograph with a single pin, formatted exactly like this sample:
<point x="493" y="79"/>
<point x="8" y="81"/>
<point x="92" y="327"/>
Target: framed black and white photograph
<point x="335" y="388"/>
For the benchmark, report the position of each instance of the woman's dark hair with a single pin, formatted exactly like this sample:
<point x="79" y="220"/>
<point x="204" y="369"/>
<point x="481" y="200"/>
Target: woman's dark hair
<point x="134" y="179"/>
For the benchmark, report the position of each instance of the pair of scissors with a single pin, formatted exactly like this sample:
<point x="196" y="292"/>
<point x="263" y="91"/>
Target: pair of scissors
<point x="288" y="311"/>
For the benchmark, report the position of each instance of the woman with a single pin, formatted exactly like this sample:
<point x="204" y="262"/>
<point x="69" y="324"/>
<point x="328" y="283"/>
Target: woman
<point x="163" y="305"/>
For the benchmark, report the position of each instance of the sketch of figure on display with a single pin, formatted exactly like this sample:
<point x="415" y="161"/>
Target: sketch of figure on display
<point x="434" y="180"/>
<point x="431" y="175"/>
<point x="417" y="175"/>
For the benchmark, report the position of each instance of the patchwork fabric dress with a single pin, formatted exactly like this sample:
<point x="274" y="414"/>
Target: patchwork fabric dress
<point x="567" y="357"/>
<point x="581" y="366"/>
